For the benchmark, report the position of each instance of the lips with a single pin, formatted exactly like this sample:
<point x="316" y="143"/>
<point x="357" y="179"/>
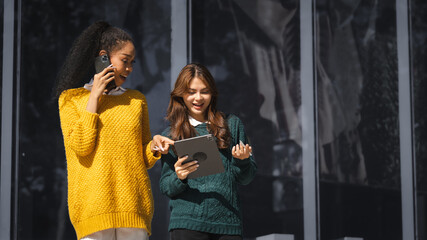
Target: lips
<point x="198" y="106"/>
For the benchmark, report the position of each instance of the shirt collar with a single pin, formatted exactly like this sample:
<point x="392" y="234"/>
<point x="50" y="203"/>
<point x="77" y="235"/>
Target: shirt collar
<point x="115" y="91"/>
<point x="194" y="122"/>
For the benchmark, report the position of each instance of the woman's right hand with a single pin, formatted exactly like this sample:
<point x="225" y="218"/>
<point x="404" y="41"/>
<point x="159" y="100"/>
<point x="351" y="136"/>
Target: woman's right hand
<point x="183" y="169"/>
<point x="161" y="144"/>
<point x="101" y="79"/>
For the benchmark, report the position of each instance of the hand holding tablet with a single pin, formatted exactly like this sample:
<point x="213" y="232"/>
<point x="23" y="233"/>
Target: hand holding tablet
<point x="201" y="150"/>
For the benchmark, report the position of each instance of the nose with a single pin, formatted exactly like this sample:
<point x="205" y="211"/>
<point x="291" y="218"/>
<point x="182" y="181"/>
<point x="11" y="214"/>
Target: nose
<point x="199" y="96"/>
<point x="129" y="68"/>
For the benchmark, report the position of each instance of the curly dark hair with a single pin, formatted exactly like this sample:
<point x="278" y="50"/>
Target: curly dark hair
<point x="80" y="59"/>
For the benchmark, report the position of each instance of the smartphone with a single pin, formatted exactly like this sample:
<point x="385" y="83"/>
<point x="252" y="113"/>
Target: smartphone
<point x="101" y="62"/>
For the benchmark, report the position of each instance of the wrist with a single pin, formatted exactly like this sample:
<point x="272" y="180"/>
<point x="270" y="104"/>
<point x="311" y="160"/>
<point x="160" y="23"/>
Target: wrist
<point x="152" y="148"/>
<point x="94" y="95"/>
<point x="92" y="104"/>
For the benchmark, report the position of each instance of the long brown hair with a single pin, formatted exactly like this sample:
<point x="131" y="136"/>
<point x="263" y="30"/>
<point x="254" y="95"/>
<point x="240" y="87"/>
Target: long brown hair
<point x="178" y="113"/>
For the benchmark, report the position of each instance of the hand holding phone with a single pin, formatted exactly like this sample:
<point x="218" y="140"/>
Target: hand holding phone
<point x="102" y="62"/>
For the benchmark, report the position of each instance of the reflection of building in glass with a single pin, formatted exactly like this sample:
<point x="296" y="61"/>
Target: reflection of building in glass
<point x="254" y="57"/>
<point x="287" y="194"/>
<point x="271" y="58"/>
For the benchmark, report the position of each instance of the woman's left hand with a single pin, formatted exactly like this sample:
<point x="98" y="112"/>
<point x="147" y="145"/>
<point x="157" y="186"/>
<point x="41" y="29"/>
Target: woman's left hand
<point x="161" y="144"/>
<point x="241" y="151"/>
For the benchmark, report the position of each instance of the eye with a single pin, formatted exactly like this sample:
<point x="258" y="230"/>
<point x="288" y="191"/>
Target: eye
<point x="126" y="61"/>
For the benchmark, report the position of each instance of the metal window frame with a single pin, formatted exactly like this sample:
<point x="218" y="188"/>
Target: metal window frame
<point x="10" y="119"/>
<point x="309" y="121"/>
<point x="7" y="119"/>
<point x="407" y="158"/>
<point x="180" y="36"/>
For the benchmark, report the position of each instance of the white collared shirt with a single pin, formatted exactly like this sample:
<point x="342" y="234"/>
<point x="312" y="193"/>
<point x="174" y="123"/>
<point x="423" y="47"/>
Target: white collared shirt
<point x="194" y="122"/>
<point x="115" y="91"/>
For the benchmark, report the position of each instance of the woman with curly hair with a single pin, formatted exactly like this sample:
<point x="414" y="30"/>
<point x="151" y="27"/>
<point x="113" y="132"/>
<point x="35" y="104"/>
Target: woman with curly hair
<point x="107" y="138"/>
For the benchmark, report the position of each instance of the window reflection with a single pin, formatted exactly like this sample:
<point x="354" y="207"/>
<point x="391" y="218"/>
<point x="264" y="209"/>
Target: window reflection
<point x="253" y="50"/>
<point x="358" y="139"/>
<point x="419" y="61"/>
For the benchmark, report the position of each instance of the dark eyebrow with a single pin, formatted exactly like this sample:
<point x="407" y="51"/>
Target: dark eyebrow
<point x="127" y="55"/>
<point x="192" y="89"/>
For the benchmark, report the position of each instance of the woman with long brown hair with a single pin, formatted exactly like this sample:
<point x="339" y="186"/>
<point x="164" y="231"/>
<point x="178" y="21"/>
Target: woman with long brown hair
<point x="207" y="207"/>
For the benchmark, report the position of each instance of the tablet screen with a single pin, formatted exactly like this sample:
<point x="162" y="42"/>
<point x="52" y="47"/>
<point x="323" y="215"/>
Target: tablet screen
<point x="204" y="150"/>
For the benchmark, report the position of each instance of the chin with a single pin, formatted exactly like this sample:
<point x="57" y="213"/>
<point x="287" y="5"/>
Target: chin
<point x="119" y="83"/>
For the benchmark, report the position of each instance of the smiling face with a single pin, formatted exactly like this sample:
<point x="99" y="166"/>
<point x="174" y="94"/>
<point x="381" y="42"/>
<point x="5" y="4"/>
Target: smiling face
<point x="197" y="99"/>
<point x="122" y="59"/>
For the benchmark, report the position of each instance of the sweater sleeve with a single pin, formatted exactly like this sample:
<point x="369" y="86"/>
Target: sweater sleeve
<point x="244" y="170"/>
<point x="149" y="158"/>
<point x="170" y="184"/>
<point x="79" y="128"/>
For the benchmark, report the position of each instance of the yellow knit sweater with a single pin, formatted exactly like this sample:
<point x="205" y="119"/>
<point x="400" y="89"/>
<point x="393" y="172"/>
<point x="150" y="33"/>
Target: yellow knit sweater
<point x="108" y="155"/>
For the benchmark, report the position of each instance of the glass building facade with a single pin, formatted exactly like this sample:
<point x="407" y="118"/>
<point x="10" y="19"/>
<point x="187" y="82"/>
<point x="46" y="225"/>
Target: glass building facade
<point x="358" y="119"/>
<point x="332" y="95"/>
<point x="418" y="36"/>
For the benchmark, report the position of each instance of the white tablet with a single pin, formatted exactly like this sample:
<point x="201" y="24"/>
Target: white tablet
<point x="204" y="150"/>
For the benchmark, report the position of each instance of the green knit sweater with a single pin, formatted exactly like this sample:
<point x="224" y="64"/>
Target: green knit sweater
<point x="211" y="203"/>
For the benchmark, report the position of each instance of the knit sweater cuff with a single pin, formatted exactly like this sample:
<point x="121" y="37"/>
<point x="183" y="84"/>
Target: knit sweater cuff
<point x="151" y="157"/>
<point x="90" y="119"/>
<point x="180" y="185"/>
<point x="150" y="154"/>
<point x="240" y="162"/>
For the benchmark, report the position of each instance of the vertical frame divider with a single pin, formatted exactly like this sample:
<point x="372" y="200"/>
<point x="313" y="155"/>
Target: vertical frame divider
<point x="407" y="159"/>
<point x="189" y="15"/>
<point x="179" y="37"/>
<point x="7" y="119"/>
<point x="16" y="127"/>
<point x="308" y="121"/>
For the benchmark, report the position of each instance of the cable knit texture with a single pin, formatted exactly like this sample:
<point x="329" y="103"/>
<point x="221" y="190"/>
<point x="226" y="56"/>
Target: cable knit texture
<point x="211" y="203"/>
<point x="108" y="155"/>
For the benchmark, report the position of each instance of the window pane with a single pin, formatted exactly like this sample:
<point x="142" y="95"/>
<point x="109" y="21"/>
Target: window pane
<point x="252" y="49"/>
<point x="1" y="59"/>
<point x="358" y="138"/>
<point x="48" y="29"/>
<point x="419" y="61"/>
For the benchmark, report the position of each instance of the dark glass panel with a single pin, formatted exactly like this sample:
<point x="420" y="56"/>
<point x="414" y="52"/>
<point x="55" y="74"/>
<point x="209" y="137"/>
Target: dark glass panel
<point x="252" y="49"/>
<point x="419" y="73"/>
<point x="358" y="128"/>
